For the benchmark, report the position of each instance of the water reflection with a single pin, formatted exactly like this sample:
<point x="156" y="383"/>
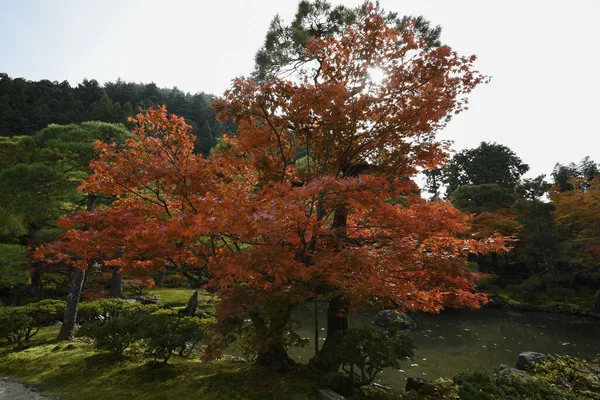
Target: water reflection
<point x="456" y="341"/>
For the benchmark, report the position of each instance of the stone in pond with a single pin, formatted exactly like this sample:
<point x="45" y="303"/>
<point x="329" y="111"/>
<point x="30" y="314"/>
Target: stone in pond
<point x="394" y="319"/>
<point x="527" y="359"/>
<point x="414" y="384"/>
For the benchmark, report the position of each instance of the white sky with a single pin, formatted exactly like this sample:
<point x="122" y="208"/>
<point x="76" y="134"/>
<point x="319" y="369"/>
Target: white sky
<point x="543" y="56"/>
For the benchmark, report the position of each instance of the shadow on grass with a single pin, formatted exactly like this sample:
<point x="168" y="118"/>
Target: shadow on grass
<point x="82" y="373"/>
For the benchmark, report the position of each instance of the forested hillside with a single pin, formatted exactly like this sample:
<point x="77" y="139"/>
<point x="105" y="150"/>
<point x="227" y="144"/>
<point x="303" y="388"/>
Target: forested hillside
<point x="29" y="106"/>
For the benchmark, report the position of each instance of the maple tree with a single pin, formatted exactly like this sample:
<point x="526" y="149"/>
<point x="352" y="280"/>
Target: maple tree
<point x="274" y="228"/>
<point x="324" y="224"/>
<point x="152" y="178"/>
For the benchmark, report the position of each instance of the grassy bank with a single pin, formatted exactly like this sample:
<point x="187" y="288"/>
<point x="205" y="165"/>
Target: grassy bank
<point x="572" y="301"/>
<point x="77" y="371"/>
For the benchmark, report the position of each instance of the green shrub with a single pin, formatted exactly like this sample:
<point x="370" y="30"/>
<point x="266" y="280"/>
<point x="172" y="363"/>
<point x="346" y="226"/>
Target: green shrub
<point x="484" y="385"/>
<point x="19" y="324"/>
<point x="576" y="376"/>
<point x="164" y="333"/>
<point x="103" y="310"/>
<point x="175" y="281"/>
<point x="530" y="287"/>
<point x="13" y="259"/>
<point x="114" y="335"/>
<point x="486" y="282"/>
<point x="245" y="344"/>
<point x="15" y="325"/>
<point x="46" y="312"/>
<point x="370" y="350"/>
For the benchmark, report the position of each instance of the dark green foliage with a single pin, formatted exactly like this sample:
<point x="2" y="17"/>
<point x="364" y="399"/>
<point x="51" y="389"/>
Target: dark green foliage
<point x="483" y="385"/>
<point x="12" y="265"/>
<point x="579" y="378"/>
<point x="15" y="324"/>
<point x="486" y="164"/>
<point x="115" y="335"/>
<point x="29" y="106"/>
<point x="161" y="332"/>
<point x="19" y="324"/>
<point x="164" y="333"/>
<point x="433" y="182"/>
<point x="103" y="310"/>
<point x="586" y="169"/>
<point x="31" y="195"/>
<point x="41" y="186"/>
<point x="46" y="311"/>
<point x="482" y="198"/>
<point x="539" y="244"/>
<point x="368" y="350"/>
<point x="284" y="49"/>
<point x="245" y="345"/>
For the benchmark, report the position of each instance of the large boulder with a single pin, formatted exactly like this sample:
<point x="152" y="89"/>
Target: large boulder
<point x="527" y="359"/>
<point x="394" y="319"/>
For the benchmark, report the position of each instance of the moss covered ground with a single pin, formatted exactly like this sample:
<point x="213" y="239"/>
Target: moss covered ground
<point x="75" y="370"/>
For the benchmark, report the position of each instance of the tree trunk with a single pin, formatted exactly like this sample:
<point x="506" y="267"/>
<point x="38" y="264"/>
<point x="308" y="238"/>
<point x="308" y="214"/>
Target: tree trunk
<point x="272" y="351"/>
<point x="337" y="324"/>
<point x="36" y="282"/>
<point x="495" y="262"/>
<point x="316" y="315"/>
<point x="116" y="286"/>
<point x="159" y="279"/>
<point x="275" y="357"/>
<point x="67" y="329"/>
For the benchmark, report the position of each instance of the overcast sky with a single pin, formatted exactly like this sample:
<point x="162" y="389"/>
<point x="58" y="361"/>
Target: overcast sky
<point x="543" y="57"/>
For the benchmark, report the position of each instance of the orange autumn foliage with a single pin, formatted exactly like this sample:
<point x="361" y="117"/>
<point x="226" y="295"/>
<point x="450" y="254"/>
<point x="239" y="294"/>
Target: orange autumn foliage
<point x="577" y="214"/>
<point x="274" y="230"/>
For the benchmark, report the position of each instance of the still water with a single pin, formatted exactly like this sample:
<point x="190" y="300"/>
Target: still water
<point x="463" y="340"/>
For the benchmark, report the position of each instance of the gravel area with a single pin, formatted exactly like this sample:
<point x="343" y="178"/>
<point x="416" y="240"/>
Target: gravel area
<point x="12" y="389"/>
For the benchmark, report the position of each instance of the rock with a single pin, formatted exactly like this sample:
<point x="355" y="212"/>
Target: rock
<point x="234" y="358"/>
<point x="506" y="370"/>
<point x="596" y="303"/>
<point x="414" y="384"/>
<point x="527" y="359"/>
<point x="394" y="319"/>
<point x="192" y="304"/>
<point x="328" y="394"/>
<point x="338" y="381"/>
<point x="427" y="388"/>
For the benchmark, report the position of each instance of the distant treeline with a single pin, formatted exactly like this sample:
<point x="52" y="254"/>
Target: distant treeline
<point x="26" y="106"/>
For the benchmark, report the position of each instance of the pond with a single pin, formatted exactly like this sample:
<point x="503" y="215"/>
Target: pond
<point x="462" y="340"/>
